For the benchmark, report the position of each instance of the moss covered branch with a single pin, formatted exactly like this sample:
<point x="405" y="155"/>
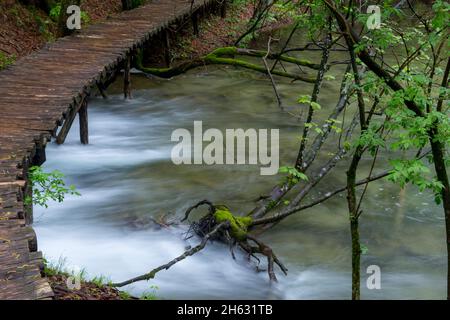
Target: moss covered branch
<point x="226" y="56"/>
<point x="218" y="224"/>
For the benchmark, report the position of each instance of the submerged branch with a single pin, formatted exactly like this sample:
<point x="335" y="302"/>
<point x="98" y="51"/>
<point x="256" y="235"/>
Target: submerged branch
<point x="190" y="252"/>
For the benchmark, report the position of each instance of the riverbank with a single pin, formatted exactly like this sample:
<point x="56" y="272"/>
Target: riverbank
<point x="214" y="32"/>
<point x="26" y="28"/>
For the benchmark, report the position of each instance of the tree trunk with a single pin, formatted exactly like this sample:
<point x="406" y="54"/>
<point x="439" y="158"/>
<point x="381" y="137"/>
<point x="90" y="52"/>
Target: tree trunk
<point x="441" y="172"/>
<point x="438" y="149"/>
<point x="354" y="224"/>
<point x="223" y="9"/>
<point x="127" y="5"/>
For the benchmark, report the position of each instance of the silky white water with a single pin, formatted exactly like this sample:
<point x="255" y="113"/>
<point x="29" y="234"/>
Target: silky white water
<point x="125" y="177"/>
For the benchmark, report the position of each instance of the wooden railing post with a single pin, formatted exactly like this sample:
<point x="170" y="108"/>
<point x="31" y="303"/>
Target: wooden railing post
<point x="167" y="55"/>
<point x="223" y="9"/>
<point x="83" y="116"/>
<point x="195" y="22"/>
<point x="39" y="156"/>
<point x="127" y="78"/>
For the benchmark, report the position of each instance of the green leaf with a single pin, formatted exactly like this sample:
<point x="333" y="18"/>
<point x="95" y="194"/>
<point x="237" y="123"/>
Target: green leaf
<point x="347" y="145"/>
<point x="304" y="99"/>
<point x="47" y="187"/>
<point x="364" y="249"/>
<point x="315" y="106"/>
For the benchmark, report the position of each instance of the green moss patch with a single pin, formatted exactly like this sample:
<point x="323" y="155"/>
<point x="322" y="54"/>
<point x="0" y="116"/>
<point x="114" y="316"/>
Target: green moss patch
<point x="238" y="225"/>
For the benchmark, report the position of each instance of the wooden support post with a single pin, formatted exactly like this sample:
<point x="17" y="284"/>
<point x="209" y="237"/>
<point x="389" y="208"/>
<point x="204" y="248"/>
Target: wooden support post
<point x="83" y="116"/>
<point x="62" y="135"/>
<point x="203" y="11"/>
<point x="195" y="22"/>
<point x="127" y="78"/>
<point x="101" y="90"/>
<point x="223" y="9"/>
<point x="167" y="55"/>
<point x="28" y="207"/>
<point x="39" y="156"/>
<point x="32" y="239"/>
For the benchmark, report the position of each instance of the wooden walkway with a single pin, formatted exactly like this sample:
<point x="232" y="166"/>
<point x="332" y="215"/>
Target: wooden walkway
<point x="44" y="91"/>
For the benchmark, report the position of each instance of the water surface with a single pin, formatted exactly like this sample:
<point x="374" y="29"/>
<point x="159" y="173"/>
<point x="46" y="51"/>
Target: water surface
<point x="126" y="178"/>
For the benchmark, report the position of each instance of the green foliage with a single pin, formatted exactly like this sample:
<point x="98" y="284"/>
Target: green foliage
<point x="364" y="249"/>
<point x="59" y="268"/>
<point x="6" y="60"/>
<point x="101" y="281"/>
<point x="293" y="176"/>
<point x="137" y="3"/>
<point x="52" y="269"/>
<point x="334" y="125"/>
<point x="415" y="172"/>
<point x="150" y="295"/>
<point x="239" y="2"/>
<point x="48" y="187"/>
<point x="43" y="23"/>
<point x="85" y="17"/>
<point x="306" y="99"/>
<point x="442" y="16"/>
<point x="238" y="224"/>
<point x="55" y="12"/>
<point x="371" y="139"/>
<point x="125" y="295"/>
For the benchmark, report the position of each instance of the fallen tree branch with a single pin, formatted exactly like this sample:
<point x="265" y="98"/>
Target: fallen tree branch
<point x="269" y="73"/>
<point x="222" y="56"/>
<point x="328" y="195"/>
<point x="279" y="216"/>
<point x="190" y="252"/>
<point x="189" y="210"/>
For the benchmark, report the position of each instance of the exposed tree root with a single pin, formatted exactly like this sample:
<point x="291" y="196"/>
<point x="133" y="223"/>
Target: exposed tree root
<point x="219" y="225"/>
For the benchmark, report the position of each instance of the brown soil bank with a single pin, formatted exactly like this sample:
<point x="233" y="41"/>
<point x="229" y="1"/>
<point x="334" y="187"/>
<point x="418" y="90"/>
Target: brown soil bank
<point x="25" y="28"/>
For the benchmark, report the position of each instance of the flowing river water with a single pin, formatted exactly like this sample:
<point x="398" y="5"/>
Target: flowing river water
<point x="126" y="178"/>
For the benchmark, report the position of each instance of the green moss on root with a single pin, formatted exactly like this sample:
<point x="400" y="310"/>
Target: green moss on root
<point x="238" y="225"/>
